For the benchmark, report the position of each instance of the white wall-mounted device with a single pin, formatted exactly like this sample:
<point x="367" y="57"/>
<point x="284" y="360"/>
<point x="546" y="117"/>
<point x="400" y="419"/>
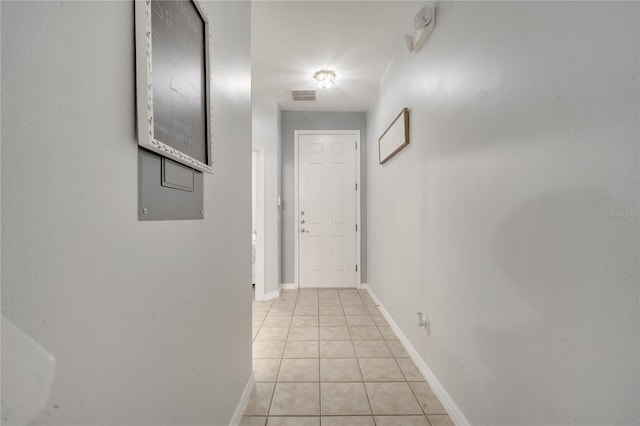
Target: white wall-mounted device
<point x="424" y="322"/>
<point x="424" y="21"/>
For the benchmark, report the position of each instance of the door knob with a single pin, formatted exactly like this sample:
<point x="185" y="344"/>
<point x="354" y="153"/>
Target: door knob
<point x="302" y="221"/>
<point x="304" y="230"/>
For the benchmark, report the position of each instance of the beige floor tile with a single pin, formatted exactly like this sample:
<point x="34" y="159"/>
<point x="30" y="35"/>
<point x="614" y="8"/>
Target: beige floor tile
<point x="365" y="333"/>
<point x="303" y="333"/>
<point x="306" y="336"/>
<point x="258" y="317"/>
<point x="380" y="370"/>
<point x="401" y="421"/>
<point x="277" y="321"/>
<point x="260" y="399"/>
<point x="348" y="421"/>
<point x="409" y="369"/>
<point x="260" y="310"/>
<point x="343" y="399"/>
<point x="340" y="370"/>
<point x="331" y="310"/>
<point x="336" y="349"/>
<point x="330" y="302"/>
<point x="355" y="310"/>
<point x="306" y="310"/>
<point x="392" y="398"/>
<point x="266" y="370"/>
<point x="267" y="349"/>
<point x="288" y="295"/>
<point x="371" y="349"/>
<point x="440" y="420"/>
<point x="387" y="333"/>
<point x="334" y="333"/>
<point x="366" y="298"/>
<point x="283" y="302"/>
<point x="272" y="333"/>
<point x="360" y="320"/>
<point x="379" y="320"/>
<point x="373" y="309"/>
<point x="305" y="321"/>
<point x="294" y="421"/>
<point x="332" y="320"/>
<point x="307" y="303"/>
<point x="281" y="312"/>
<point x="253" y="421"/>
<point x="352" y="301"/>
<point x="301" y="349"/>
<point x="299" y="370"/>
<point x="296" y="399"/>
<point x="427" y="399"/>
<point x="256" y="328"/>
<point x="254" y="335"/>
<point x="397" y="349"/>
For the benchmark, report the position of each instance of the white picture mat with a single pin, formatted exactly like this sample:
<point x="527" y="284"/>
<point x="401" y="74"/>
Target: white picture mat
<point x="395" y="137"/>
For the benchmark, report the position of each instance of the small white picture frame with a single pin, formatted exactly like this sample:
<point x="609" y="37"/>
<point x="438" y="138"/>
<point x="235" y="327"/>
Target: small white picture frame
<point x="395" y="137"/>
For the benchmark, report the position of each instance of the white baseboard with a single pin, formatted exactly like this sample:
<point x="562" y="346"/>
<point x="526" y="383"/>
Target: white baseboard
<point x="272" y="295"/>
<point x="244" y="401"/>
<point x="288" y="286"/>
<point x="457" y="416"/>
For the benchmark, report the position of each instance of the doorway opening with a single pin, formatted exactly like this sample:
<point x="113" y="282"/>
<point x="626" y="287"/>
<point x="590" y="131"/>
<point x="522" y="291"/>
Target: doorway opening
<point x="257" y="221"/>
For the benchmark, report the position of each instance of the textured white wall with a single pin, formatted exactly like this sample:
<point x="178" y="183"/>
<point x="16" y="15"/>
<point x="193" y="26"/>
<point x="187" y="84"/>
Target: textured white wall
<point x="136" y="313"/>
<point x="266" y="133"/>
<point x="511" y="219"/>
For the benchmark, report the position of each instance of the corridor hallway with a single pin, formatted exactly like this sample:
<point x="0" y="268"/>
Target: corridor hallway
<point x="327" y="357"/>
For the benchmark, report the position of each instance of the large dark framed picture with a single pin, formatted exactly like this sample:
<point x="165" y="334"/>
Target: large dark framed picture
<point x="172" y="81"/>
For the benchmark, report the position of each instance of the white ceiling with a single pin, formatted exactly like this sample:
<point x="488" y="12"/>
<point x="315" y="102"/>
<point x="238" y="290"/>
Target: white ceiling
<point x="291" y="40"/>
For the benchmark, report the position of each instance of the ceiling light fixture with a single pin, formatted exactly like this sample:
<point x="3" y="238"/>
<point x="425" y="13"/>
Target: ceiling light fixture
<point x="325" y="79"/>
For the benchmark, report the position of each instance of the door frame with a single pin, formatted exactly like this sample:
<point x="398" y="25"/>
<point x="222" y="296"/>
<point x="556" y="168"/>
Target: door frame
<point x="296" y="232"/>
<point x="260" y="221"/>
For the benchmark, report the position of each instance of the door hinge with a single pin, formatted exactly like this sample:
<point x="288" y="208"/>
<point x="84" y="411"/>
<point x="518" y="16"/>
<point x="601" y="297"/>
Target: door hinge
<point x="356" y="146"/>
<point x="356" y="268"/>
<point x="356" y="186"/>
<point x="356" y="226"/>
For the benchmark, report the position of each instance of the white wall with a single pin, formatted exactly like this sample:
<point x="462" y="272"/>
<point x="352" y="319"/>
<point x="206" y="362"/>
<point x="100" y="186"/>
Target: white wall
<point x="512" y="217"/>
<point x="136" y="313"/>
<point x="266" y="133"/>
<point x="306" y="120"/>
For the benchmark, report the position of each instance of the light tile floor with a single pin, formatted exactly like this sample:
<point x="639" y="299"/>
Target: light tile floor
<point x="327" y="357"/>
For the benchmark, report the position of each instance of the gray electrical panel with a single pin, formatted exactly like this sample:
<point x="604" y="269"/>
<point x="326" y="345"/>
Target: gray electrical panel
<point x="168" y="190"/>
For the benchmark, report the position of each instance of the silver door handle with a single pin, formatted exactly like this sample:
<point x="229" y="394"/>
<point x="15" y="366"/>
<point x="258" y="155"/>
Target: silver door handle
<point x="304" y="230"/>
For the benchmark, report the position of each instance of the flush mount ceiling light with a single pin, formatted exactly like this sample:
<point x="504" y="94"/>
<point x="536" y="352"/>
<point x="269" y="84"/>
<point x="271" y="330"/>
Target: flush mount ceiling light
<point x="325" y="79"/>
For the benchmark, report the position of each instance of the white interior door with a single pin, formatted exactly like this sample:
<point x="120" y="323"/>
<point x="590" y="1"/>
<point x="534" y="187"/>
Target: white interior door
<point x="327" y="211"/>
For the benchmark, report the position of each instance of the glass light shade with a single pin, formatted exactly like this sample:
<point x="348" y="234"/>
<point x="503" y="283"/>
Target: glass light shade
<point x="325" y="79"/>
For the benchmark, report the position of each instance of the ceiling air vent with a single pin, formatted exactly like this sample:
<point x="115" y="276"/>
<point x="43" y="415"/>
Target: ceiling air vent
<point x="304" y="95"/>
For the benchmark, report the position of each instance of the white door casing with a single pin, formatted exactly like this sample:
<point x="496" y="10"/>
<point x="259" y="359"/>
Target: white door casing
<point x="259" y="180"/>
<point x="327" y="208"/>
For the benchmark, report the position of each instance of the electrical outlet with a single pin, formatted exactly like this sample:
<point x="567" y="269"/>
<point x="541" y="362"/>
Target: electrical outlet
<point x="424" y="322"/>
